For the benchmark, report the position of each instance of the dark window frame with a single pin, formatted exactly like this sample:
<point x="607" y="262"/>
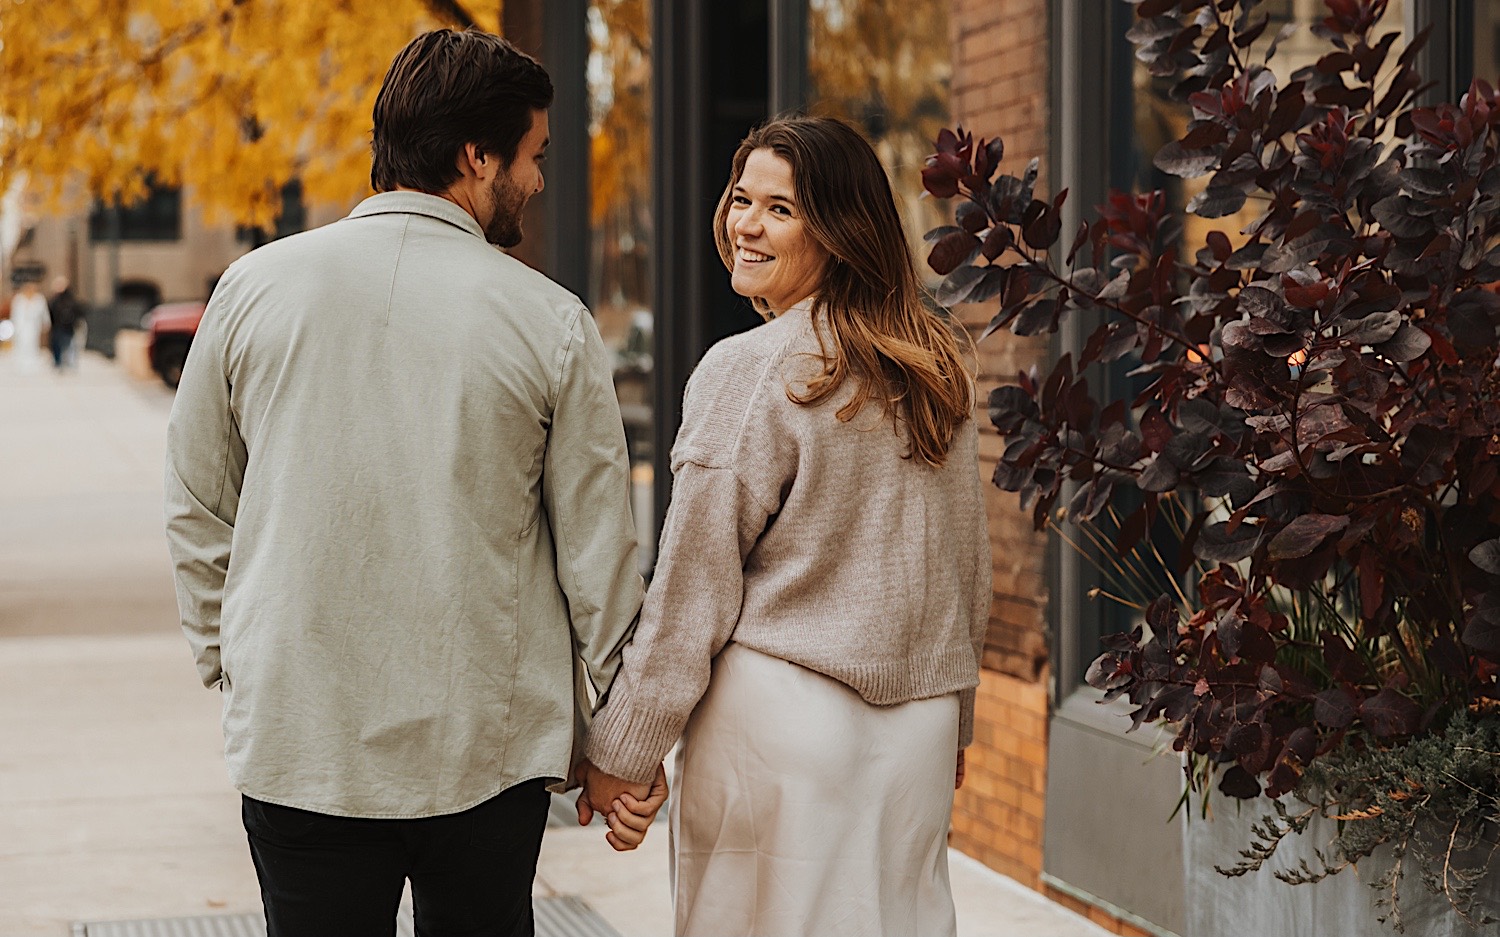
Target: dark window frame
<point x="155" y="217"/>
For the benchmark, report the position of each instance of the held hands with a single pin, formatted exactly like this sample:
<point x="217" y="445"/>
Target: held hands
<point x="627" y="808"/>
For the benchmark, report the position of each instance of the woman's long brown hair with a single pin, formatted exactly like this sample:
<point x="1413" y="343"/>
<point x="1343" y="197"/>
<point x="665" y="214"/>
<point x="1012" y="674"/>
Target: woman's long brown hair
<point x="881" y="335"/>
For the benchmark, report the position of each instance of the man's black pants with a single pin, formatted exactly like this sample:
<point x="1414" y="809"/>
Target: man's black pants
<point x="471" y="872"/>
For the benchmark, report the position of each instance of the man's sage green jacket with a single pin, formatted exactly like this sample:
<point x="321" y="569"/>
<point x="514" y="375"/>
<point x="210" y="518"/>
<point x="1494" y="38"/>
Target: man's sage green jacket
<point x="398" y="508"/>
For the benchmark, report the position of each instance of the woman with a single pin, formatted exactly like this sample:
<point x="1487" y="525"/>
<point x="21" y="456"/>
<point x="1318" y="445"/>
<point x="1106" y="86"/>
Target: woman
<point x="814" y="626"/>
<point x="28" y="312"/>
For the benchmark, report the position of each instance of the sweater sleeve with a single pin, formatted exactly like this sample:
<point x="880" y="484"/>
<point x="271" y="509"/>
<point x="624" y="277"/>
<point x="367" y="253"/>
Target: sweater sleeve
<point x="690" y="613"/>
<point x="983" y="594"/>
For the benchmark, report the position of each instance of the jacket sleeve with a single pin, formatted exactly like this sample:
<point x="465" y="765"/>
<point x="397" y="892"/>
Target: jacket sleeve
<point x="691" y="611"/>
<point x="586" y="494"/>
<point x="206" y="459"/>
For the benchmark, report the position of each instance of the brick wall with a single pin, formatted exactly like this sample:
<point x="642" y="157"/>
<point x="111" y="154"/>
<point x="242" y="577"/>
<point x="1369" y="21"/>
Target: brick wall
<point x="1000" y="85"/>
<point x="1000" y="80"/>
<point x="997" y="815"/>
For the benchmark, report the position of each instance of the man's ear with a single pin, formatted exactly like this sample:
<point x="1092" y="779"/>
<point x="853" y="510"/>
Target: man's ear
<point x="473" y="160"/>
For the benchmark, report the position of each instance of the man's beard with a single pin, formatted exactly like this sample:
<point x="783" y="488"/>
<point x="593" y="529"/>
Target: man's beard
<point x="504" y="229"/>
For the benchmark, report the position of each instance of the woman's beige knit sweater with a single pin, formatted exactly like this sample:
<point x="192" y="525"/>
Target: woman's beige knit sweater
<point x="805" y="538"/>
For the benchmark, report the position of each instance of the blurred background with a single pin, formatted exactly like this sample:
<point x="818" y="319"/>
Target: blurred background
<point x="145" y="145"/>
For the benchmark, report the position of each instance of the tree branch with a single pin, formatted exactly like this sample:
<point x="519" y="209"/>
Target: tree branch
<point x="451" y="12"/>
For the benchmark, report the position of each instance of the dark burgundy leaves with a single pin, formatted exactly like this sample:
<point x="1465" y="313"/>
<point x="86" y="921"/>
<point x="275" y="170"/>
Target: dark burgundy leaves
<point x="1388" y="714"/>
<point x="1219" y="544"/>
<point x="1482" y="630"/>
<point x="1486" y="556"/>
<point x="957" y="286"/>
<point x="1239" y="783"/>
<point x="1304" y="535"/>
<point x="1312" y="434"/>
<point x="952" y="251"/>
<point x="1177" y="160"/>
<point x="1334" y="708"/>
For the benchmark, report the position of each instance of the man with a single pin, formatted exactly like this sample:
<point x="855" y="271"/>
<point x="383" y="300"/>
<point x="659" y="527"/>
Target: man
<point x="397" y="502"/>
<point x="67" y="315"/>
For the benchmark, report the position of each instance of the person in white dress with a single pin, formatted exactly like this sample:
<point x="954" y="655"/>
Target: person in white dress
<point x="813" y="630"/>
<point x="28" y="312"/>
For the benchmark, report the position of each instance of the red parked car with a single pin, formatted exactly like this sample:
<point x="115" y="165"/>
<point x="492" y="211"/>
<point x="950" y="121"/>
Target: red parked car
<point x="171" y="330"/>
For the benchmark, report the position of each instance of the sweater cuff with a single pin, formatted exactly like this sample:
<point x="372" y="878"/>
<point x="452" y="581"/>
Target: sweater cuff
<point x="966" y="717"/>
<point x="630" y="743"/>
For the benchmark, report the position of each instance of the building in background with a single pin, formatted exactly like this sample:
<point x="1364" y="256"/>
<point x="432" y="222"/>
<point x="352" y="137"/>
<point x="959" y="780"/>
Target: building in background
<point x="159" y="249"/>
<point x="653" y="98"/>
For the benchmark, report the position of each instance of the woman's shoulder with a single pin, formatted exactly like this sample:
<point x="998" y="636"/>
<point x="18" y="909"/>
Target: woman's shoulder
<point x="739" y="365"/>
<point x="754" y="348"/>
<point x="736" y="383"/>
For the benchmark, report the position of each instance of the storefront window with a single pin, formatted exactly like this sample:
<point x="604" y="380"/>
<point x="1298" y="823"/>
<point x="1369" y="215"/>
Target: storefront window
<point x="1145" y="119"/>
<point x="886" y="67"/>
<point x="1157" y="120"/>
<point x="619" y="81"/>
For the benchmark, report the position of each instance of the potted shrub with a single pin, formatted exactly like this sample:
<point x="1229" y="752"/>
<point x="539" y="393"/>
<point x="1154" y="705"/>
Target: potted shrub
<point x="1319" y="440"/>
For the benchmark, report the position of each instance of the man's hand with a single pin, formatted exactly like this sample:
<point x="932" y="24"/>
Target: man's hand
<point x="628" y="808"/>
<point x="601" y="790"/>
<point x="958" y="773"/>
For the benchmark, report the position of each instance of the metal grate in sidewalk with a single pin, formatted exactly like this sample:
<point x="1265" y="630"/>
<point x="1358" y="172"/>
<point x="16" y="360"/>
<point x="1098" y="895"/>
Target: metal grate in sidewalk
<point x="565" y="916"/>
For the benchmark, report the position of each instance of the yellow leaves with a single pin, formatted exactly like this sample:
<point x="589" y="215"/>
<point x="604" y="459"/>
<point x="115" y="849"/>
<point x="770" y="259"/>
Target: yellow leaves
<point x="619" y="89"/>
<point x="893" y="57"/>
<point x="232" y="98"/>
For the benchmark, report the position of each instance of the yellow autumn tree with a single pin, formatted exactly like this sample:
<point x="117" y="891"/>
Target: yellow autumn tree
<point x="232" y="98"/>
<point x="619" y="80"/>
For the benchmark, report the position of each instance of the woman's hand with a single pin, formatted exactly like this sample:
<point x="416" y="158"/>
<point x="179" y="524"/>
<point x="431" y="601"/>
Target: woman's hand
<point x="958" y="773"/>
<point x="629" y="818"/>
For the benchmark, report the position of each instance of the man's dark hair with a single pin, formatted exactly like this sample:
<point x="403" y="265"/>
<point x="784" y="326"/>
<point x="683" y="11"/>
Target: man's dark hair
<point x="447" y="89"/>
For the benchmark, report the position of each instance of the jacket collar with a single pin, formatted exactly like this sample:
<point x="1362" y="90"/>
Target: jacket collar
<point x="418" y="203"/>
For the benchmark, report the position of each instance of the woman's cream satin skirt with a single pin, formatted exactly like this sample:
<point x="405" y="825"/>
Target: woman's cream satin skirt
<point x="801" y="809"/>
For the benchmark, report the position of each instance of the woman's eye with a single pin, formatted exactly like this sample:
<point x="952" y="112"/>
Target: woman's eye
<point x="782" y="209"/>
<point x="740" y="200"/>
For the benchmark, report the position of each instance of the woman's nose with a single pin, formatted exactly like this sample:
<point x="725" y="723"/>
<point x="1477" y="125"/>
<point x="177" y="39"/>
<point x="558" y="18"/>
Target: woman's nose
<point x="748" y="223"/>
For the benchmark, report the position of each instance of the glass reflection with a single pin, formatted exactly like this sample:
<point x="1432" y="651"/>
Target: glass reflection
<point x="619" y="84"/>
<point x="886" y="68"/>
<point x="1486" y="34"/>
<point x="1159" y="120"/>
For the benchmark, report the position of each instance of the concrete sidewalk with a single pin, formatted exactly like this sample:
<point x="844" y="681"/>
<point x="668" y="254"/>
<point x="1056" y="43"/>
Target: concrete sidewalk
<point x="114" y="803"/>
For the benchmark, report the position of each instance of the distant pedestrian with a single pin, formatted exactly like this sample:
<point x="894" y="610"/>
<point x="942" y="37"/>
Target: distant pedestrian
<point x="814" y="626"/>
<point x="28" y="313"/>
<point x="398" y="503"/>
<point x="67" y="315"/>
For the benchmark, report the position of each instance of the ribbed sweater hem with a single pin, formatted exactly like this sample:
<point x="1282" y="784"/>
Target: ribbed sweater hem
<point x="888" y="682"/>
<point x="629" y="742"/>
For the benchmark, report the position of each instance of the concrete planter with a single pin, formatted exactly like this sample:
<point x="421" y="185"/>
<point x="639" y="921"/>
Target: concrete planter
<point x="1260" y="905"/>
